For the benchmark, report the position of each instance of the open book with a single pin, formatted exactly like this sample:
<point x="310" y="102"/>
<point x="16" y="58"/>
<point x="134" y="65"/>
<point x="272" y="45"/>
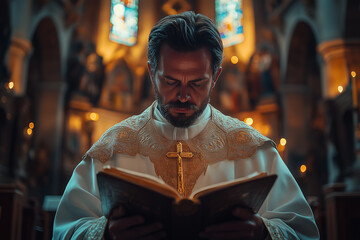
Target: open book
<point x="183" y="218"/>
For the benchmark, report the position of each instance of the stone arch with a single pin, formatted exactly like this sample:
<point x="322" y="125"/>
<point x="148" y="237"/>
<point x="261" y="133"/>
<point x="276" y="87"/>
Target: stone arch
<point x="45" y="93"/>
<point x="302" y="49"/>
<point x="302" y="105"/>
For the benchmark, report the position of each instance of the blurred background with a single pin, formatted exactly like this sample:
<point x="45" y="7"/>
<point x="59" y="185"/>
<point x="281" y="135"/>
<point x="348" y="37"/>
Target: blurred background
<point x="70" y="69"/>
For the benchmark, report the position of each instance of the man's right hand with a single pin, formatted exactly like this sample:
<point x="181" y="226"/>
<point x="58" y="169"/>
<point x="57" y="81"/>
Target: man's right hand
<point x="122" y="227"/>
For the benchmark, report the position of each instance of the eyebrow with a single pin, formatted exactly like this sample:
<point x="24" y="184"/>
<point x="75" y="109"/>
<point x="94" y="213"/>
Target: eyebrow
<point x="195" y="80"/>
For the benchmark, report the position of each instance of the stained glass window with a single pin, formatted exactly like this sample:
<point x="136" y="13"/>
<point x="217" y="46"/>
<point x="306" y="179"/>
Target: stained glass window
<point x="229" y="21"/>
<point x="124" y="21"/>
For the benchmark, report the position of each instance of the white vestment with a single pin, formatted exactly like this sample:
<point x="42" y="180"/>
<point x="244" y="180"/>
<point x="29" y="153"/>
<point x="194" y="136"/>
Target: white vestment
<point x="225" y="149"/>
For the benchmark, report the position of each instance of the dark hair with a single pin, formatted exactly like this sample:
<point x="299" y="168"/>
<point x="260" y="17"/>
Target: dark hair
<point x="186" y="31"/>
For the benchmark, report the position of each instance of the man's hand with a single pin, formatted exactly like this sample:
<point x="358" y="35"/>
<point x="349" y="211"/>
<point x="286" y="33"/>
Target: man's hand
<point x="248" y="226"/>
<point x="132" y="227"/>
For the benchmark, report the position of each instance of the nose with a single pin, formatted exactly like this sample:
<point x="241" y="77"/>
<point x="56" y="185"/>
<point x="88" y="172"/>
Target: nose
<point x="183" y="94"/>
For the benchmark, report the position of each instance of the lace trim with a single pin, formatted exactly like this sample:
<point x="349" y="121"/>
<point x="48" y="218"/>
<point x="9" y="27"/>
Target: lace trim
<point x="97" y="229"/>
<point x="121" y="138"/>
<point x="222" y="138"/>
<point x="242" y="139"/>
<point x="274" y="232"/>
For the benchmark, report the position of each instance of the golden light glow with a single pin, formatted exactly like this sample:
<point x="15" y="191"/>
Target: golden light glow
<point x="234" y="59"/>
<point x="266" y="130"/>
<point x="340" y="89"/>
<point x="94" y="116"/>
<point x="11" y="85"/>
<point x="249" y="121"/>
<point x="353" y="74"/>
<point x="31" y="125"/>
<point x="303" y="168"/>
<point x="280" y="148"/>
<point x="139" y="71"/>
<point x="75" y="123"/>
<point x="29" y="131"/>
<point x="283" y="142"/>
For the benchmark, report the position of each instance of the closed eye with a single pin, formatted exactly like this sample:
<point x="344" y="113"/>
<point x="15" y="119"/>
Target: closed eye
<point x="171" y="82"/>
<point x="198" y="83"/>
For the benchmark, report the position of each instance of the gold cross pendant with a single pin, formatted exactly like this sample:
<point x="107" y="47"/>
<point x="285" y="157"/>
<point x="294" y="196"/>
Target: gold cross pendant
<point x="179" y="154"/>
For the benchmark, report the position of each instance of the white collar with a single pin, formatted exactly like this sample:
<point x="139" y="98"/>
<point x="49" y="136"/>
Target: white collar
<point x="175" y="133"/>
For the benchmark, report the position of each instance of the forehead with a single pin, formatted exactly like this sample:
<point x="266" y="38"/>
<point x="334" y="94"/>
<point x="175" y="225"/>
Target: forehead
<point x="189" y="61"/>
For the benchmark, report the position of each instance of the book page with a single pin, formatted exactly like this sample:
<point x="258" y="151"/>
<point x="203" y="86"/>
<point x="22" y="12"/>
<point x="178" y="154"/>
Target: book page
<point x="142" y="179"/>
<point x="214" y="187"/>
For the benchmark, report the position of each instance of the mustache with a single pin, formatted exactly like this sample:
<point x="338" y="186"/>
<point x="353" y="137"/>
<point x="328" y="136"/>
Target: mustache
<point x="179" y="104"/>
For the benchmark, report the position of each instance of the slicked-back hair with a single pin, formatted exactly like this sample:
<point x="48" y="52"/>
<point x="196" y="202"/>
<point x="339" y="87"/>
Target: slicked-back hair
<point x="186" y="31"/>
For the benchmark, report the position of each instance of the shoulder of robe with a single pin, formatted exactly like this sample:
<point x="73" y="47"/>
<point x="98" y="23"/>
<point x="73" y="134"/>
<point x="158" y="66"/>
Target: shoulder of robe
<point x="120" y="138"/>
<point x="242" y="140"/>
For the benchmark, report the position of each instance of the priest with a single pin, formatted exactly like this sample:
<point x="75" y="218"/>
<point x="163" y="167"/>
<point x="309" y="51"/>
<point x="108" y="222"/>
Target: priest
<point x="185" y="52"/>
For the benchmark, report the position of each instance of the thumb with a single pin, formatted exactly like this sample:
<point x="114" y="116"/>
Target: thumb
<point x="117" y="212"/>
<point x="243" y="213"/>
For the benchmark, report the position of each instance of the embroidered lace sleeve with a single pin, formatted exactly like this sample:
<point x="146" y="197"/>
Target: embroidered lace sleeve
<point x="274" y="231"/>
<point x="97" y="229"/>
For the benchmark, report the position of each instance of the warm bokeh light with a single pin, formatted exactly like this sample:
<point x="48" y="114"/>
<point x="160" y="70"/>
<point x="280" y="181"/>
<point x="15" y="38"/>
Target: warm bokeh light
<point x="29" y="131"/>
<point x="266" y="129"/>
<point x="282" y="141"/>
<point x="353" y="74"/>
<point x="140" y="71"/>
<point x="249" y="121"/>
<point x="94" y="116"/>
<point x="31" y="125"/>
<point x="340" y="89"/>
<point x="11" y="85"/>
<point x="280" y="148"/>
<point x="303" y="168"/>
<point x="75" y="122"/>
<point x="234" y="59"/>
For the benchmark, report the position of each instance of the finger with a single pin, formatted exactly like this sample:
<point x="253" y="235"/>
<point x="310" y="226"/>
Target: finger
<point x="118" y="225"/>
<point x="140" y="231"/>
<point x="231" y="226"/>
<point x="117" y="213"/>
<point x="243" y="213"/>
<point x="248" y="215"/>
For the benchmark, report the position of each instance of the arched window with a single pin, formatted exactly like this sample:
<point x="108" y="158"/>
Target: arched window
<point x="229" y="21"/>
<point x="124" y="21"/>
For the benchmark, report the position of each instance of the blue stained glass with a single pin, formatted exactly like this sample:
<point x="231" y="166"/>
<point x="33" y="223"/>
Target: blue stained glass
<point x="124" y="21"/>
<point x="229" y="21"/>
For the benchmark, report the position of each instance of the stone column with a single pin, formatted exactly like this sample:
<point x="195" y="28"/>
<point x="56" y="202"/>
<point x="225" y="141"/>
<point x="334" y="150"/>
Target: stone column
<point x="19" y="52"/>
<point x="341" y="57"/>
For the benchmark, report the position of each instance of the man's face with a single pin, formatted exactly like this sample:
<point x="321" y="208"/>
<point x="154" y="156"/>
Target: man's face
<point x="183" y="83"/>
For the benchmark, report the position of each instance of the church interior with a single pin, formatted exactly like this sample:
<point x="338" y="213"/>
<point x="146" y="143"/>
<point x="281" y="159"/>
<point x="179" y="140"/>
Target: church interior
<point x="70" y="69"/>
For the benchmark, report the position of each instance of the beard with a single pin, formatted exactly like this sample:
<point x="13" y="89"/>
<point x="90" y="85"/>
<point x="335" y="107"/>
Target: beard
<point x="181" y="120"/>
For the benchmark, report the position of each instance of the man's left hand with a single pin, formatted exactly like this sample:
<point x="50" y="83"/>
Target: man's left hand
<point x="248" y="225"/>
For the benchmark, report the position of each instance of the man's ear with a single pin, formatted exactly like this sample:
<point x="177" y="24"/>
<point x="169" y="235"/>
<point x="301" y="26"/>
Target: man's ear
<point x="150" y="73"/>
<point x="216" y="77"/>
